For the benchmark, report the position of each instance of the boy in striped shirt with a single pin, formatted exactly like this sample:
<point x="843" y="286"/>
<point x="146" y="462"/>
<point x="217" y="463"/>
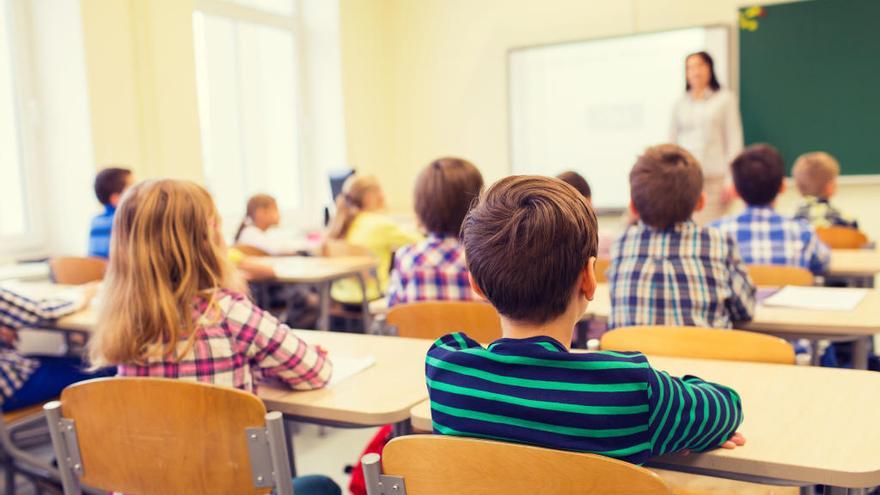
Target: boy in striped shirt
<point x="530" y="244"/>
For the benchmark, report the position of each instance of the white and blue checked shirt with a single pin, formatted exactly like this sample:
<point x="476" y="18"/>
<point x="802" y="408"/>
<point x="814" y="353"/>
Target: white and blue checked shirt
<point x="682" y="275"/>
<point x="17" y="311"/>
<point x="765" y="237"/>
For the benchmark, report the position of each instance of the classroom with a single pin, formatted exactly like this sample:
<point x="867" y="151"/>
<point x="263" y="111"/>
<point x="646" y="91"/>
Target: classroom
<point x="424" y="247"/>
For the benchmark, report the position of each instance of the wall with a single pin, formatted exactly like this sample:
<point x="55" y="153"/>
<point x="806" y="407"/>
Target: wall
<point x="141" y="71"/>
<point x="424" y="78"/>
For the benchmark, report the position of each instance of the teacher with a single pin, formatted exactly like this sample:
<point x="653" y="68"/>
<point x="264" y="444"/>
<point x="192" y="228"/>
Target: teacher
<point x="706" y="122"/>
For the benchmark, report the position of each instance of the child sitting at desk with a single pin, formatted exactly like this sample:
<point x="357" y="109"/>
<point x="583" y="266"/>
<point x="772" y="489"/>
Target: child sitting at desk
<point x="174" y="307"/>
<point x="27" y="381"/>
<point x="666" y="269"/>
<point x="435" y="269"/>
<point x="262" y="214"/>
<point x="531" y="247"/>
<point x="815" y="175"/>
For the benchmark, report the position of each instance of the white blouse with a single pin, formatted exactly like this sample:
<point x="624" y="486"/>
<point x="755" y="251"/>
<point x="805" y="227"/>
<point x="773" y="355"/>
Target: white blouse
<point x="710" y="129"/>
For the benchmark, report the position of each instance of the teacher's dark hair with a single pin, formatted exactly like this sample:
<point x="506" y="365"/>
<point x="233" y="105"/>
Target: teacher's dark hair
<point x="707" y="59"/>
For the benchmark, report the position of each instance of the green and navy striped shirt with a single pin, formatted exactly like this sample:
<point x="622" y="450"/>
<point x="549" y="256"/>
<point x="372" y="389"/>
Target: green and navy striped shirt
<point x="534" y="391"/>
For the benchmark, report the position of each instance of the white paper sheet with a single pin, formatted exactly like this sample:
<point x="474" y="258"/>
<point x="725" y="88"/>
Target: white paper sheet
<point x="347" y="366"/>
<point x="817" y="298"/>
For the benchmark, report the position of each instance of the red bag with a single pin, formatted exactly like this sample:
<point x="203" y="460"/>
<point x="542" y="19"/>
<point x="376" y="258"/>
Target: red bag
<point x="357" y="486"/>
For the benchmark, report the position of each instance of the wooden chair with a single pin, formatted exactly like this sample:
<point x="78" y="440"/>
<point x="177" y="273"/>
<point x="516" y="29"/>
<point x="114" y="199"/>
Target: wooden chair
<point x="433" y="319"/>
<point x="248" y="250"/>
<point x="154" y="436"/>
<point x="73" y="270"/>
<point x="436" y="464"/>
<point x="700" y="343"/>
<point x="779" y="275"/>
<point x="602" y="267"/>
<point x="842" y="237"/>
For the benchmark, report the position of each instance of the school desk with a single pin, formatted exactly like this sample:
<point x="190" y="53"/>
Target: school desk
<point x="855" y="266"/>
<point x="857" y="326"/>
<point x="801" y="424"/>
<point x="24" y="271"/>
<point x="320" y="272"/>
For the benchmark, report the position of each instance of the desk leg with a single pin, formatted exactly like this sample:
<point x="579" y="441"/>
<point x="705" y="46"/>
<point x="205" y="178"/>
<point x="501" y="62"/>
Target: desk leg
<point x="860" y="353"/>
<point x="365" y="303"/>
<point x="324" y="317"/>
<point x="289" y="429"/>
<point x="401" y="428"/>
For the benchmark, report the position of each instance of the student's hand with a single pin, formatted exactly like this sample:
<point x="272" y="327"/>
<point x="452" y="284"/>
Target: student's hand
<point x="8" y="336"/>
<point x="89" y="290"/>
<point x="735" y="440"/>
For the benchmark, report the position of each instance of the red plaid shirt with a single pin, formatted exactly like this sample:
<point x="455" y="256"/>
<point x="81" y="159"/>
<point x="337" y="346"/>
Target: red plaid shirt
<point x="237" y="344"/>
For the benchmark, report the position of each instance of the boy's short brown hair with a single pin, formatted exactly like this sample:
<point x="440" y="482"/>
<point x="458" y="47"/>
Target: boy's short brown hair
<point x="758" y="172"/>
<point x="665" y="184"/>
<point x="813" y="172"/>
<point x="110" y="181"/>
<point x="576" y="181"/>
<point x="444" y="192"/>
<point x="526" y="242"/>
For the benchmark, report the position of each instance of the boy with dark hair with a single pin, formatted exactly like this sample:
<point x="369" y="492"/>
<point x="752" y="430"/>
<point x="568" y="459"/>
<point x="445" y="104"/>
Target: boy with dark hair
<point x="110" y="183"/>
<point x="763" y="236"/>
<point x="667" y="270"/>
<point x="434" y="269"/>
<point x="530" y="244"/>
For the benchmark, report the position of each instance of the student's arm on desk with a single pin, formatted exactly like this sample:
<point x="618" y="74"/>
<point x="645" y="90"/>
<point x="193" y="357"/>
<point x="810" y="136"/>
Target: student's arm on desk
<point x="276" y="350"/>
<point x="17" y="310"/>
<point x="741" y="304"/>
<point x="689" y="414"/>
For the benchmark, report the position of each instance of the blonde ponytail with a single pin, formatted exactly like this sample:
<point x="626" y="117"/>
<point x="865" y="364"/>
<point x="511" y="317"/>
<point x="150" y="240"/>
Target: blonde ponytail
<point x="349" y="203"/>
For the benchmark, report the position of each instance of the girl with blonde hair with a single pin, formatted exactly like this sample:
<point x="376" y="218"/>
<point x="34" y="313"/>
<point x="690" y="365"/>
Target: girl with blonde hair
<point x="175" y="307"/>
<point x="359" y="221"/>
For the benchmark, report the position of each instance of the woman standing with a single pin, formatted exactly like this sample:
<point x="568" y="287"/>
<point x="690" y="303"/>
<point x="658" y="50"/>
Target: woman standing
<point x="706" y="122"/>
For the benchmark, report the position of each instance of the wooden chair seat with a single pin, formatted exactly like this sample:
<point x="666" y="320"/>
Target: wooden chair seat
<point x="154" y="436"/>
<point x="699" y="343"/>
<point x="780" y="275"/>
<point x="842" y="237"/>
<point x="74" y="270"/>
<point x="434" y="319"/>
<point x="437" y="464"/>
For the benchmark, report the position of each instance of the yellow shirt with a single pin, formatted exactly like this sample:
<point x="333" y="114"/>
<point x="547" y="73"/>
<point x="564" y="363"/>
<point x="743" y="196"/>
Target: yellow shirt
<point x="382" y="237"/>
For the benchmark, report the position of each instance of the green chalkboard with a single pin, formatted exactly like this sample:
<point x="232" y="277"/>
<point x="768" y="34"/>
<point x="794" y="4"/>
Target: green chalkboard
<point x="810" y="79"/>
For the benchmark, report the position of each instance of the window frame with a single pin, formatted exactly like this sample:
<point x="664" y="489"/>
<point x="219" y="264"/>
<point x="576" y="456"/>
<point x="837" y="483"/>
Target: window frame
<point x="33" y="243"/>
<point x="309" y="214"/>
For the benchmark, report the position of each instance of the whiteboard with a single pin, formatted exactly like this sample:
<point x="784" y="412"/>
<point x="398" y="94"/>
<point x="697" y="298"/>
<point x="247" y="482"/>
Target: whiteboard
<point x="594" y="106"/>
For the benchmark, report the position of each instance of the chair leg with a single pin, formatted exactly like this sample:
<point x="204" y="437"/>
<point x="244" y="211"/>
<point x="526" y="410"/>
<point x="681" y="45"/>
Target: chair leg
<point x="10" y="478"/>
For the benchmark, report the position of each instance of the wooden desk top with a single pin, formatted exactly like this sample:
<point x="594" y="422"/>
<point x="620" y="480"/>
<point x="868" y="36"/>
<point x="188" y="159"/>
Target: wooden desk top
<point x="381" y="394"/>
<point x="316" y="269"/>
<point x="855" y="262"/>
<point x="801" y="423"/>
<point x="865" y="320"/>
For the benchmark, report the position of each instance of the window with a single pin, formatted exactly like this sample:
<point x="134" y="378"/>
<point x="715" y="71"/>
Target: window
<point x="16" y="219"/>
<point x="250" y="103"/>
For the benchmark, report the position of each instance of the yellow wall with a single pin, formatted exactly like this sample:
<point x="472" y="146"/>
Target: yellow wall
<point x="424" y="78"/>
<point x="142" y="90"/>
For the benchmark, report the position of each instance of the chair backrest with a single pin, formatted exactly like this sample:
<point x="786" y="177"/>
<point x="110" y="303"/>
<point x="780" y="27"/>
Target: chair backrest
<point x="248" y="250"/>
<point x="155" y="436"/>
<point x="434" y="319"/>
<point x="842" y="237"/>
<point x="779" y="275"/>
<point x="602" y="267"/>
<point x="700" y="343"/>
<point x="436" y="464"/>
<point x="335" y="248"/>
<point x="74" y="270"/>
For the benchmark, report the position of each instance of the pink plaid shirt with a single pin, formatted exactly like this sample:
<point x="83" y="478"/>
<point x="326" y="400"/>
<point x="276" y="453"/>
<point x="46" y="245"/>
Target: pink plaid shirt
<point x="431" y="270"/>
<point x="239" y="346"/>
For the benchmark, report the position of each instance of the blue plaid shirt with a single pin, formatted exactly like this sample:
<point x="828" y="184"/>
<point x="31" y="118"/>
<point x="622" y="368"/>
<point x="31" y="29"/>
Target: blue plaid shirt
<point x="99" y="234"/>
<point x="431" y="270"/>
<point x="17" y="311"/>
<point x="682" y="275"/>
<point x="765" y="237"/>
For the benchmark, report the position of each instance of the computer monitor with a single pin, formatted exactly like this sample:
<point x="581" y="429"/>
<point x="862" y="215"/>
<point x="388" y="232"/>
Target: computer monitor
<point x="337" y="179"/>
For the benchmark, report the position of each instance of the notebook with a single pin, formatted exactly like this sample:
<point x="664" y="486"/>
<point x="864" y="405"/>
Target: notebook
<point x="817" y="298"/>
